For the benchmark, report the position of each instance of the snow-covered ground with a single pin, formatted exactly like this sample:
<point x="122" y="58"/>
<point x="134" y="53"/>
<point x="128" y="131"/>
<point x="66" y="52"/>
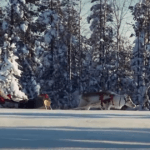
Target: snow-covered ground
<point x="74" y="129"/>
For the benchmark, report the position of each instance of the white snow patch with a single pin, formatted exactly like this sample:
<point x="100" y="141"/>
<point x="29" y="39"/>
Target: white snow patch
<point x="24" y="50"/>
<point x="23" y="1"/>
<point x="24" y="27"/>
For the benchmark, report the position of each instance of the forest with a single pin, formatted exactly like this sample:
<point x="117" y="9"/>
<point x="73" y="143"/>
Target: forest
<point x="43" y="50"/>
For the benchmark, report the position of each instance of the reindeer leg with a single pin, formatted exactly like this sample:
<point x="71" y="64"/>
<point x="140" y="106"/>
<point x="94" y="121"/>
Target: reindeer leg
<point x="107" y="106"/>
<point x="101" y="107"/>
<point x="45" y="107"/>
<point x="50" y="107"/>
<point x="89" y="108"/>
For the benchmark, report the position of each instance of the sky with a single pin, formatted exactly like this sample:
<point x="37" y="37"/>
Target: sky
<point x="86" y="5"/>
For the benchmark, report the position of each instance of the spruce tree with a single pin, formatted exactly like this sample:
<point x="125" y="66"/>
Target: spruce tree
<point x="101" y="39"/>
<point x="10" y="72"/>
<point x="141" y="51"/>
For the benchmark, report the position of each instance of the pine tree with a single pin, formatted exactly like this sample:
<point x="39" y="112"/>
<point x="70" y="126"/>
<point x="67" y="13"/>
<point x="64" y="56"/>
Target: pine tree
<point x="125" y="83"/>
<point x="53" y="25"/>
<point x="101" y="39"/>
<point x="1" y="26"/>
<point x="20" y="27"/>
<point x="9" y="72"/>
<point x="141" y="51"/>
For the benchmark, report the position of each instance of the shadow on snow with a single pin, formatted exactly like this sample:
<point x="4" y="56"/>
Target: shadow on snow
<point x="27" y="137"/>
<point x="69" y="115"/>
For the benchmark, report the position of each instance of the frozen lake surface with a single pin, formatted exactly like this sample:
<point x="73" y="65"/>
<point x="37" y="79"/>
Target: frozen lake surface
<point x="74" y="129"/>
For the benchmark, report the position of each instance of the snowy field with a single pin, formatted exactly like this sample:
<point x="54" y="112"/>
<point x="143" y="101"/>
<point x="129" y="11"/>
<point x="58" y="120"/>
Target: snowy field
<point x="74" y="129"/>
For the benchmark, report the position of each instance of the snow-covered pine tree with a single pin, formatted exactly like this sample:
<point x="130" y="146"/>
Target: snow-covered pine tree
<point x="9" y="71"/>
<point x="87" y="81"/>
<point x="47" y="23"/>
<point x="53" y="28"/>
<point x="9" y="68"/>
<point x="74" y="44"/>
<point x="63" y="33"/>
<point x="141" y="51"/>
<point x="1" y="27"/>
<point x="101" y="39"/>
<point x="125" y="83"/>
<point x="20" y="22"/>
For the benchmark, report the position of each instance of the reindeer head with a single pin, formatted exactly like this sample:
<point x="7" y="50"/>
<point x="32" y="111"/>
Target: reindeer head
<point x="128" y="101"/>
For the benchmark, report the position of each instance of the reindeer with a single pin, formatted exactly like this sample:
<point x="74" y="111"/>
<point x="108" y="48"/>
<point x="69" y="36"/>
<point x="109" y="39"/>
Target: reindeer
<point x="105" y="100"/>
